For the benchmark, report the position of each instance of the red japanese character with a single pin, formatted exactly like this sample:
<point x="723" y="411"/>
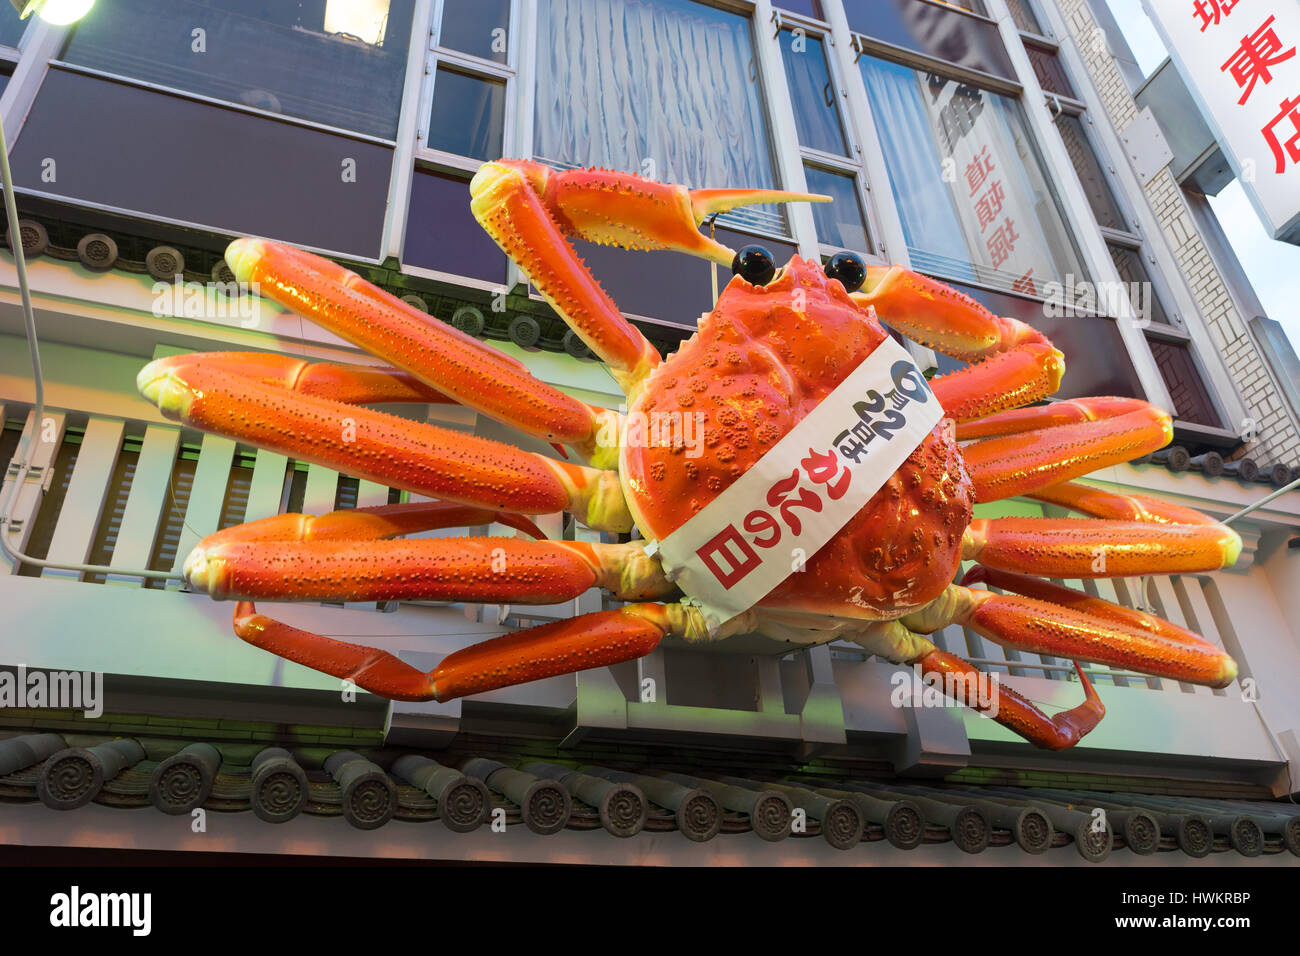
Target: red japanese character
<point x="734" y="550"/>
<point x="1210" y="10"/>
<point x="776" y="495"/>
<point x="1290" y="110"/>
<point x="990" y="204"/>
<point x="1257" y="53"/>
<point x="1025" y="284"/>
<point x="822" y="470"/>
<point x="1002" y="242"/>
<point x="978" y="170"/>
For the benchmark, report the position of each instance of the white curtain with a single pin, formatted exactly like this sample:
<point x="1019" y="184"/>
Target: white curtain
<point x="664" y="88"/>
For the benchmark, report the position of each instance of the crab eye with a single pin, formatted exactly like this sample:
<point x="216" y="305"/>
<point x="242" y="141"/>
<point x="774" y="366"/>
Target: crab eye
<point x="754" y="264"/>
<point x="848" y="268"/>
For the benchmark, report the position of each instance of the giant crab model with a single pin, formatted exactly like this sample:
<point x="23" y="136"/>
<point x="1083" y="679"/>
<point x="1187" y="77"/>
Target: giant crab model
<point x="777" y="343"/>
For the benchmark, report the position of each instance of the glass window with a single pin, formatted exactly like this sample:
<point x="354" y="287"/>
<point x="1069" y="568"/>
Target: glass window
<point x="808" y="8"/>
<point x="442" y="234"/>
<point x="1023" y="14"/>
<point x="839" y="223"/>
<point x="1085" y="162"/>
<point x="468" y="114"/>
<point x="667" y="89"/>
<point x="968" y="182"/>
<point x="812" y="93"/>
<point x="11" y="28"/>
<point x="1141" y="292"/>
<point x="1047" y="67"/>
<point x="476" y="27"/>
<point x="341" y="64"/>
<point x="1192" y="401"/>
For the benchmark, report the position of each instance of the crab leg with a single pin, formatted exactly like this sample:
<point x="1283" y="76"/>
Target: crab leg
<point x="530" y="211"/>
<point x="563" y="647"/>
<point x="1107" y="504"/>
<point x="1098" y="548"/>
<point x="1007" y="380"/>
<point x="217" y="395"/>
<point x="1069" y="412"/>
<point x="1011" y="465"/>
<point x="1084" y="631"/>
<point x="471" y="372"/>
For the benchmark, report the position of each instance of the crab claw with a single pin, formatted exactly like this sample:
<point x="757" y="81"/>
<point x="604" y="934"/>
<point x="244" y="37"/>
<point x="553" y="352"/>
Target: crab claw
<point x="613" y="208"/>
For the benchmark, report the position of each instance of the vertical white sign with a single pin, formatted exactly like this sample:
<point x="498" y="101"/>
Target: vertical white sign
<point x="1240" y="59"/>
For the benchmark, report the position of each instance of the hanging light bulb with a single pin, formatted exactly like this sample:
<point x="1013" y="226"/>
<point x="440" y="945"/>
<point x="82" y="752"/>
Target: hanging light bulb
<point x="58" y="12"/>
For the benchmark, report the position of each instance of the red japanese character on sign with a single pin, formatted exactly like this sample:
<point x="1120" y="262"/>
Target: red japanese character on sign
<point x="1002" y="242"/>
<point x="823" y="469"/>
<point x="1290" y="111"/>
<point x="1257" y="53"/>
<point x="734" y="550"/>
<point x="1210" y="10"/>
<point x="990" y="204"/>
<point x="978" y="169"/>
<point x="1025" y="284"/>
<point x="776" y="495"/>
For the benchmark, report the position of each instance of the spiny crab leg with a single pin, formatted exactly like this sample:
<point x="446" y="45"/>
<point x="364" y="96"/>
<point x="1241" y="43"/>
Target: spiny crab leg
<point x="1067" y="412"/>
<point x="458" y="365"/>
<point x="219" y="396"/>
<point x="348" y="556"/>
<point x="1011" y="465"/>
<point x="531" y="211"/>
<point x="1108" y="504"/>
<point x="549" y="650"/>
<point x="1013" y="363"/>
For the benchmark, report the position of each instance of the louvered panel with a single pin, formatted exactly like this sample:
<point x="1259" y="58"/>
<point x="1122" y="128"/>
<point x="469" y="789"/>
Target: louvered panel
<point x="345" y="498"/>
<point x="204" y="504"/>
<point x="148" y="497"/>
<point x="235" y="503"/>
<point x="172" y="525"/>
<point x="1196" y="612"/>
<point x="30" y="497"/>
<point x="87" y="491"/>
<point x="1168" y="607"/>
<point x="109" y="527"/>
<point x="267" y="488"/>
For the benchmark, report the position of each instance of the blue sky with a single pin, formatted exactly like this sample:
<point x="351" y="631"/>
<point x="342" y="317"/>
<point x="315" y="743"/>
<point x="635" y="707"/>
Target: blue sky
<point x="1273" y="267"/>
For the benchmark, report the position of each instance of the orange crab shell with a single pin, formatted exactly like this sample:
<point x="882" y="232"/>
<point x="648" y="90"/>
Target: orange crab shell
<point x="762" y="360"/>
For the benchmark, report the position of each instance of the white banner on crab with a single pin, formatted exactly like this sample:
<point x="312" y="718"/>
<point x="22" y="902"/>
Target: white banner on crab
<point x="731" y="554"/>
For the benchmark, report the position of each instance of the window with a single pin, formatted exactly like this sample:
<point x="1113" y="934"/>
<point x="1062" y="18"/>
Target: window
<point x="831" y="164"/>
<point x="668" y="89"/>
<point x="341" y="64"/>
<point x="11" y="28"/>
<point x="468" y="85"/>
<point x="172" y="524"/>
<point x="968" y="182"/>
<point x="1023" y="15"/>
<point x="38" y="544"/>
<point x="110" y="516"/>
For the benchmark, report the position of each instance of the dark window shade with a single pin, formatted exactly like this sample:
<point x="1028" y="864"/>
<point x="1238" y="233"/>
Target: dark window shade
<point x="345" y="496"/>
<point x="11" y="28"/>
<point x="296" y="488"/>
<point x="442" y="234"/>
<point x="273" y="56"/>
<point x="1093" y="178"/>
<point x="234" y="504"/>
<point x="471" y="26"/>
<point x="812" y="93"/>
<point x="230" y="171"/>
<point x="38" y="544"/>
<point x="172" y="525"/>
<point x="1192" y="401"/>
<point x="934" y="30"/>
<point x="1051" y="74"/>
<point x="9" y="440"/>
<point x="1096" y="360"/>
<point x="1141" y="290"/>
<point x="808" y="8"/>
<point x="468" y="114"/>
<point x="110" y="518"/>
<point x="1023" y="15"/>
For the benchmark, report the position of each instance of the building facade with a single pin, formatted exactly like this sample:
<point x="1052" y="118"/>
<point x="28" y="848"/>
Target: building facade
<point x="995" y="145"/>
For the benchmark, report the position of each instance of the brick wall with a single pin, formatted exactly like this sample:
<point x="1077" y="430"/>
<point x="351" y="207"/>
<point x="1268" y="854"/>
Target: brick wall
<point x="1277" y="437"/>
